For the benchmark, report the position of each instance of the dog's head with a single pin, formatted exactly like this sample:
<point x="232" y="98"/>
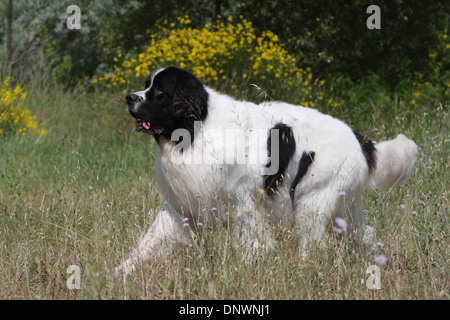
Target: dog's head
<point x="173" y="98"/>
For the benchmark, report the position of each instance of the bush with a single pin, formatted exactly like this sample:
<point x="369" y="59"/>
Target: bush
<point x="13" y="116"/>
<point x="227" y="55"/>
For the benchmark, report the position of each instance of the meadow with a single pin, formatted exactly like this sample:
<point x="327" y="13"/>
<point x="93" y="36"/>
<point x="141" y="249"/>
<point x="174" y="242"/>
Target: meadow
<point x="82" y="191"/>
<point x="82" y="194"/>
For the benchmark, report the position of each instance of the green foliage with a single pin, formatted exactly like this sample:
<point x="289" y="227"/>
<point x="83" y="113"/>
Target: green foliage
<point x="229" y="56"/>
<point x="332" y="37"/>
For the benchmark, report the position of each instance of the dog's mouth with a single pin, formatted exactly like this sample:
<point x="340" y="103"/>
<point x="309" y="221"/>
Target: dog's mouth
<point x="145" y="126"/>
<point x="142" y="125"/>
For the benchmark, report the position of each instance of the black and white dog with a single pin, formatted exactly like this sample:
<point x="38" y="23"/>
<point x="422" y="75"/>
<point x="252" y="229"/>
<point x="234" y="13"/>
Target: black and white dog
<point x="262" y="165"/>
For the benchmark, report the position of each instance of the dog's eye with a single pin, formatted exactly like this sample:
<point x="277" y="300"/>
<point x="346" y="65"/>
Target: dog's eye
<point x="158" y="92"/>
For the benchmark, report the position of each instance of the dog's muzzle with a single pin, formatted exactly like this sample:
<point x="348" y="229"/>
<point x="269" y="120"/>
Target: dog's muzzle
<point x="133" y="101"/>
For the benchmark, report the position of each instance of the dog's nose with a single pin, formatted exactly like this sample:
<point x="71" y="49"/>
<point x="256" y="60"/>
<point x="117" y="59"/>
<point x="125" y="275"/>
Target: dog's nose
<point x="132" y="98"/>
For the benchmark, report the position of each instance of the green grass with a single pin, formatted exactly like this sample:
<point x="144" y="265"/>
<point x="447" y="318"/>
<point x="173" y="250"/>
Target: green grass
<point x="83" y="193"/>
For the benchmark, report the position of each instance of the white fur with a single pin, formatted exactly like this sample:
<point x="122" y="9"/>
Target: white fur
<point x="396" y="159"/>
<point x="332" y="187"/>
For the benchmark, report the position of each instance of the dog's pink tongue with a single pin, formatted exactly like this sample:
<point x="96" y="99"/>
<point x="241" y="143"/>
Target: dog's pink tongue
<point x="146" y="125"/>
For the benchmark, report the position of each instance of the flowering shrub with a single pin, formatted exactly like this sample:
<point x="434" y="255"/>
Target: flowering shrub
<point x="226" y="55"/>
<point x="13" y="116"/>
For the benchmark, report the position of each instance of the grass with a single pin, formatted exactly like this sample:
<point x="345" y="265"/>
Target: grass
<point x="83" y="193"/>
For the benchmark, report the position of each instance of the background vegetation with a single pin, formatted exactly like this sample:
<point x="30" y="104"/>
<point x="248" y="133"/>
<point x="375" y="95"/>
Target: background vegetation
<point x="77" y="183"/>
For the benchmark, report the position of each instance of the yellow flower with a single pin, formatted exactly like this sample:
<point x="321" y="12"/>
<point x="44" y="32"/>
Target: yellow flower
<point x="14" y="116"/>
<point x="216" y="51"/>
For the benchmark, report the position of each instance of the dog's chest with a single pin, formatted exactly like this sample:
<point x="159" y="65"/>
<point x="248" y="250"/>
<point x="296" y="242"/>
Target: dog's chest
<point x="189" y="187"/>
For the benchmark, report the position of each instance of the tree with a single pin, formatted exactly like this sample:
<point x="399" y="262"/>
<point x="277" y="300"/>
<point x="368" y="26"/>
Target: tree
<point x="331" y="36"/>
<point x="9" y="17"/>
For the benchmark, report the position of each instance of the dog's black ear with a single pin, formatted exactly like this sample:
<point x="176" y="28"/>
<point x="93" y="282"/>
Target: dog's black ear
<point x="190" y="99"/>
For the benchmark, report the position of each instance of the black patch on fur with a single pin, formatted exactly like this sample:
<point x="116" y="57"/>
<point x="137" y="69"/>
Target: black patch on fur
<point x="303" y="166"/>
<point x="368" y="150"/>
<point x="175" y="100"/>
<point x="286" y="151"/>
<point x="189" y="98"/>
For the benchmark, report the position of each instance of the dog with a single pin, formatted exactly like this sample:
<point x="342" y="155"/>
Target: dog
<point x="263" y="165"/>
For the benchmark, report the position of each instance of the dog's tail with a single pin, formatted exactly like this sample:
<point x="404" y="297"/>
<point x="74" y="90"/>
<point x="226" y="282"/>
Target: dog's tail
<point x="395" y="160"/>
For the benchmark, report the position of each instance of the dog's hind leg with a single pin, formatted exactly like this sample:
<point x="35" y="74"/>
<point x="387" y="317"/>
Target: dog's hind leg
<point x="312" y="213"/>
<point x="358" y="229"/>
<point x="164" y="234"/>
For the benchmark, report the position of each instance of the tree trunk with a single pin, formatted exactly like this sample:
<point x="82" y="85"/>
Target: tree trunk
<point x="9" y="17"/>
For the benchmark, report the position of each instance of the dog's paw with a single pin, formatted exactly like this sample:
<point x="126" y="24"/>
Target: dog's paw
<point x="368" y="240"/>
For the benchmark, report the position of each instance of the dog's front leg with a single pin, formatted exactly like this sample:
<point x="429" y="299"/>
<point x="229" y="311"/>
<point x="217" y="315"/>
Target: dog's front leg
<point x="252" y="229"/>
<point x="164" y="234"/>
